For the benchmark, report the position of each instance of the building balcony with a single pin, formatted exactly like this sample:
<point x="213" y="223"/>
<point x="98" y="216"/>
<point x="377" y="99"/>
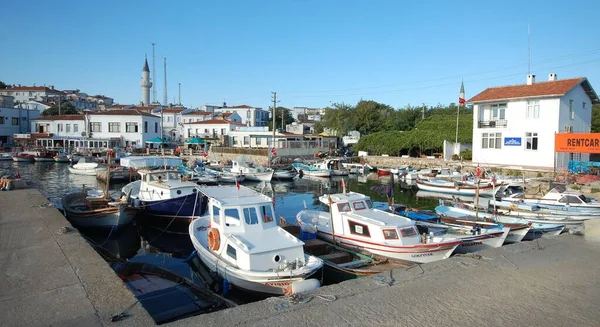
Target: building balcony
<point x="492" y="123"/>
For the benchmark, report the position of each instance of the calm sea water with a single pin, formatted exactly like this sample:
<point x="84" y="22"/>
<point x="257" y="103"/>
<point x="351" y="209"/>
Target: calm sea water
<point x="146" y="242"/>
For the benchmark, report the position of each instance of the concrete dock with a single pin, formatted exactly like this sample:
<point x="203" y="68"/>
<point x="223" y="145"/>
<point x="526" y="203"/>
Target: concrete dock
<point x="52" y="278"/>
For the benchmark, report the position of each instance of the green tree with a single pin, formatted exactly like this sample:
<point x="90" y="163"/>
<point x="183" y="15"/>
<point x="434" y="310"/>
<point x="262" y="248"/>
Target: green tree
<point x="340" y="118"/>
<point x="65" y="109"/>
<point x="2" y="85"/>
<point x="596" y="118"/>
<point x="279" y="111"/>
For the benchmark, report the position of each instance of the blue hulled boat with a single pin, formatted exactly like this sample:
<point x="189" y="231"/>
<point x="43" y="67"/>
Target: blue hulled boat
<point x="164" y="194"/>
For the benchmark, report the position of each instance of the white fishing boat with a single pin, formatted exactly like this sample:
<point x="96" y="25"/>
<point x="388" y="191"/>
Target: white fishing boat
<point x="536" y="229"/>
<point x="84" y="168"/>
<point x="6" y="156"/>
<point x="353" y="223"/>
<point x="284" y="174"/>
<point x="244" y="166"/>
<point x="557" y="198"/>
<point x="239" y="239"/>
<point x="460" y="188"/>
<point x="334" y="165"/>
<point x="163" y="194"/>
<point x="226" y="177"/>
<point x="355" y="168"/>
<point x="474" y="238"/>
<point x="310" y="171"/>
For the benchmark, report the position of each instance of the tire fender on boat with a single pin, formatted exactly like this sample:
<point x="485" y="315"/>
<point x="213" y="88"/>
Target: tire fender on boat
<point x="214" y="239"/>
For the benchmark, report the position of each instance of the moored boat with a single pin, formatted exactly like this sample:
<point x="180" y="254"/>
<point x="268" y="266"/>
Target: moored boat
<point x="163" y="194"/>
<point x="284" y="174"/>
<point x="334" y="166"/>
<point x="23" y="157"/>
<point x="239" y="239"/>
<point x="85" y="210"/>
<point x="353" y="223"/>
<point x="244" y="166"/>
<point x="460" y="188"/>
<point x="308" y="170"/>
<point x="82" y="167"/>
<point x="45" y="156"/>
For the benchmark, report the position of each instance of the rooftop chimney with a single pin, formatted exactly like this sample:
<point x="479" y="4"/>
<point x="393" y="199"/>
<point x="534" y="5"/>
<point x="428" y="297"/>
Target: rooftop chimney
<point x="552" y="77"/>
<point x="530" y="79"/>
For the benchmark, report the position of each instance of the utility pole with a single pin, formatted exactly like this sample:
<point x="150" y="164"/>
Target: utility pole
<point x="423" y="112"/>
<point x="179" y="94"/>
<point x="153" y="75"/>
<point x="165" y="98"/>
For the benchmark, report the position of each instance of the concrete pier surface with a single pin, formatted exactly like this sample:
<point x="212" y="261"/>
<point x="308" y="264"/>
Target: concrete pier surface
<point x="51" y="278"/>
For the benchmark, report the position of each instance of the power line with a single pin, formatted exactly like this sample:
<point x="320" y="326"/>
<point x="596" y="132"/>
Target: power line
<point x="522" y="65"/>
<point x="431" y="86"/>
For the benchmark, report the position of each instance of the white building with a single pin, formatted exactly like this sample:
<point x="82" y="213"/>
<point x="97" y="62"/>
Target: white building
<point x="36" y="105"/>
<point x="515" y="125"/>
<point x="212" y="128"/>
<point x="306" y="114"/>
<point x="45" y="94"/>
<point x="114" y="128"/>
<point x="13" y="121"/>
<point x="251" y="116"/>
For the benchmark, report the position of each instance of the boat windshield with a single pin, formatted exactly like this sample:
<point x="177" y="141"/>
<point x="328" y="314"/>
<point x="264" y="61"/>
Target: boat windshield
<point x="160" y="177"/>
<point x="369" y="204"/>
<point x="584" y="199"/>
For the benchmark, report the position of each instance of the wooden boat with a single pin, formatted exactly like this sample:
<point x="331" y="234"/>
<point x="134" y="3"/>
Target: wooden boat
<point x="45" y="156"/>
<point x="165" y="295"/>
<point x="62" y="158"/>
<point x="356" y="225"/>
<point x="227" y="177"/>
<point x="460" y="188"/>
<point x="559" y="199"/>
<point x="340" y="264"/>
<point x="240" y="240"/>
<point x="474" y="237"/>
<point x="82" y="167"/>
<point x="91" y="211"/>
<point x="334" y="166"/>
<point x="6" y="156"/>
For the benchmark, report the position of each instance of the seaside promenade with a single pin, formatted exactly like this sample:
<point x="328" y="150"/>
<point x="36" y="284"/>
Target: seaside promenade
<point x="52" y="278"/>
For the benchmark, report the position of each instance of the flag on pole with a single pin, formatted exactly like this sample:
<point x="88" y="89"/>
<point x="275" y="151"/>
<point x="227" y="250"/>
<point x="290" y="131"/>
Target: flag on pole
<point x="461" y="94"/>
<point x="343" y="186"/>
<point x="237" y="184"/>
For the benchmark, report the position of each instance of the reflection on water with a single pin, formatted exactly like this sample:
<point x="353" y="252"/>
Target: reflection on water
<point x="149" y="241"/>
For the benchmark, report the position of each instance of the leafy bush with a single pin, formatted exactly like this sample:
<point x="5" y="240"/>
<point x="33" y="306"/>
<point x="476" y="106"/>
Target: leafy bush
<point x="595" y="190"/>
<point x="467" y="154"/>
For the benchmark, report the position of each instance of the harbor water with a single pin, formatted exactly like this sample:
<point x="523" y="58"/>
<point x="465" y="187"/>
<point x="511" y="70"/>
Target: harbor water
<point x="168" y="246"/>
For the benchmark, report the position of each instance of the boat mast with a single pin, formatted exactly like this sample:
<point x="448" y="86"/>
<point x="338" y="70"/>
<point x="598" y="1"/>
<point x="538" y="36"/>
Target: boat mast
<point x="477" y="200"/>
<point x="331" y="219"/>
<point x="107" y="174"/>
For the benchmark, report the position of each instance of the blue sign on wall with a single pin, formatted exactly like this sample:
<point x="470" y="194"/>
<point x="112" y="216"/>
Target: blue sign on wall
<point x="512" y="141"/>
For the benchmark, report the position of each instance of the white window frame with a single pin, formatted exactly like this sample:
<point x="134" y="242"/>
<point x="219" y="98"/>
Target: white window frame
<point x="533" y="109"/>
<point x="96" y="127"/>
<point x="498" y="111"/>
<point x="75" y="128"/>
<point x="529" y="138"/>
<point x="571" y="110"/>
<point x="112" y="125"/>
<point x="491" y="141"/>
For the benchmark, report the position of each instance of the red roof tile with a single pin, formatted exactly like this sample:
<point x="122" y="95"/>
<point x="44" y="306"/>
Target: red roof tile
<point x="240" y="106"/>
<point x="31" y="88"/>
<point x="217" y="121"/>
<point x="197" y="113"/>
<point x="538" y="89"/>
<point x="173" y="110"/>
<point x="60" y="117"/>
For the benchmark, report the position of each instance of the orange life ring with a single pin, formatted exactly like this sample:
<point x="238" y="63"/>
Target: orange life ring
<point x="214" y="240"/>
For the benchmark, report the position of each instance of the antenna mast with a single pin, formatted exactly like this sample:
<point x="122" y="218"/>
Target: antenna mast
<point x="165" y="99"/>
<point x="528" y="49"/>
<point x="179" y="93"/>
<point x="153" y="75"/>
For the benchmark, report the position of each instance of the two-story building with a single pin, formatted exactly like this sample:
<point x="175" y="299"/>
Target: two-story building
<point x="114" y="128"/>
<point x="250" y="116"/>
<point x="515" y="125"/>
<point x="210" y="129"/>
<point x="13" y="121"/>
<point x="23" y="94"/>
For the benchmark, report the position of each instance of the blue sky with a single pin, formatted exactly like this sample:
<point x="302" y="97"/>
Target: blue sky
<point x="311" y="52"/>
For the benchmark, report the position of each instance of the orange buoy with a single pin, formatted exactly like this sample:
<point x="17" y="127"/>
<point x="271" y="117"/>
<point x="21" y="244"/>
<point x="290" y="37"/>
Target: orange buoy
<point x="214" y="240"/>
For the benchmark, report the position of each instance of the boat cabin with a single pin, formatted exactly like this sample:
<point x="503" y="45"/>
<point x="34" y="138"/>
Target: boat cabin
<point x="164" y="184"/>
<point x="249" y="235"/>
<point x="353" y="216"/>
<point x="565" y="197"/>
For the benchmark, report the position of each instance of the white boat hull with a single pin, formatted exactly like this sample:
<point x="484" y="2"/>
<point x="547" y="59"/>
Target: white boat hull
<point x="270" y="282"/>
<point x="483" y="190"/>
<point x="483" y="242"/>
<point x="259" y="177"/>
<point x="86" y="172"/>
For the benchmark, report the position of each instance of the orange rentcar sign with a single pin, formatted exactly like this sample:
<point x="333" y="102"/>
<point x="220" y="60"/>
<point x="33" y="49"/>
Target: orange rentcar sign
<point x="577" y="142"/>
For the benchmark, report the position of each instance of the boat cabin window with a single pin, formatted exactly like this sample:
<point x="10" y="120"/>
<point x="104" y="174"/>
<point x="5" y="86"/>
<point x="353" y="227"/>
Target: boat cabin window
<point x="231" y="252"/>
<point x="569" y="199"/>
<point x="232" y="217"/>
<point x="343" y="207"/>
<point x="584" y="199"/>
<point x="390" y="234"/>
<point x="250" y="216"/>
<point x="215" y="215"/>
<point x="409" y="231"/>
<point x="359" y="205"/>
<point x="359" y="229"/>
<point x="267" y="213"/>
<point x="369" y="204"/>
